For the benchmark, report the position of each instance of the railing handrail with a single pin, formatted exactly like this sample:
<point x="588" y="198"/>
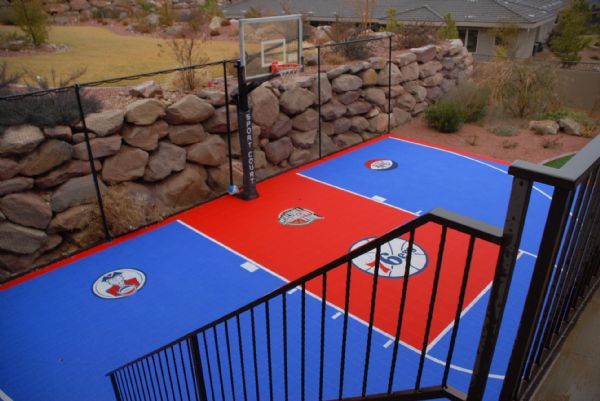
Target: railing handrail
<point x="568" y="176"/>
<point x="458" y="222"/>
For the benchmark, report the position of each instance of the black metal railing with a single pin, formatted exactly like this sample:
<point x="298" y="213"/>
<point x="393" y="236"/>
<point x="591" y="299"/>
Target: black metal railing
<point x="266" y="351"/>
<point x="567" y="269"/>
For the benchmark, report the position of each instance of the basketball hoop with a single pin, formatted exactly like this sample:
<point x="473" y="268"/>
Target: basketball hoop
<point x="287" y="72"/>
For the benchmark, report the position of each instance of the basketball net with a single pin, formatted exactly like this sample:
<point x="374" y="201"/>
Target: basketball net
<point x="287" y="72"/>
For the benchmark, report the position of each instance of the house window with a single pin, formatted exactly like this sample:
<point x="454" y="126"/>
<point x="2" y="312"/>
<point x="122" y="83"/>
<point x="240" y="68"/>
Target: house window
<point x="469" y="38"/>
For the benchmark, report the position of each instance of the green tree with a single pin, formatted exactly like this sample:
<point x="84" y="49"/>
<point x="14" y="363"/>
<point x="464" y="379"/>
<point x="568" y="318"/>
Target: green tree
<point x="32" y="19"/>
<point x="506" y="37"/>
<point x="391" y="23"/>
<point x="448" y="30"/>
<point x="568" y="38"/>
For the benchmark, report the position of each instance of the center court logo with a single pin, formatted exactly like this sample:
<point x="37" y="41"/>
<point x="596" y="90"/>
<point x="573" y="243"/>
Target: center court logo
<point x="393" y="258"/>
<point x="381" y="164"/>
<point x="297" y="216"/>
<point x="119" y="283"/>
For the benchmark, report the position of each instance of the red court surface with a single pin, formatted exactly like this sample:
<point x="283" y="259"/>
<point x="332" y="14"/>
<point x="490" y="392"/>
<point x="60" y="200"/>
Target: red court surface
<point x="253" y="229"/>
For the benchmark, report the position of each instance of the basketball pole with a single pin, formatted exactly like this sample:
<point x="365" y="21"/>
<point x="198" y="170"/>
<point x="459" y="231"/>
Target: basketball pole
<point x="244" y="114"/>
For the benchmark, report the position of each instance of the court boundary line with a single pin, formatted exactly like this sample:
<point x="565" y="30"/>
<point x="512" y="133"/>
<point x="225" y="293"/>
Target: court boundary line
<point x="4" y="396"/>
<point x="335" y="307"/>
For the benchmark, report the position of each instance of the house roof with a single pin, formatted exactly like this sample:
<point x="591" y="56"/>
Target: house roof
<point x="463" y="11"/>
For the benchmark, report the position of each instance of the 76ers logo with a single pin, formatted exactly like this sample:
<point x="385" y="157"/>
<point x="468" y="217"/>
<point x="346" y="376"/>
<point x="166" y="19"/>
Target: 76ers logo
<point x="119" y="283"/>
<point x="297" y="216"/>
<point x="393" y="257"/>
<point x="381" y="164"/>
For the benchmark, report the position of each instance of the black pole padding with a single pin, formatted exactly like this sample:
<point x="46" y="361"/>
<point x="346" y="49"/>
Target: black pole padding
<point x="319" y="97"/>
<point x="86" y="137"/>
<point x="246" y="138"/>
<point x="228" y="119"/>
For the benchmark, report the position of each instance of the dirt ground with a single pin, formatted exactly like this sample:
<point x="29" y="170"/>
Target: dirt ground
<point x="525" y="145"/>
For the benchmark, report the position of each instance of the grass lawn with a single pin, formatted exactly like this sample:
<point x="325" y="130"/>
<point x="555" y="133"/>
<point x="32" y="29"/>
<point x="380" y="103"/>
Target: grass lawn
<point x="561" y="161"/>
<point x="108" y="55"/>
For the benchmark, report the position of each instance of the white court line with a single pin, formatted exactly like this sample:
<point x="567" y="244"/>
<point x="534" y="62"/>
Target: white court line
<point x="356" y="318"/>
<point x="354" y="193"/>
<point x="388" y="343"/>
<point x="468" y="158"/>
<point x="251" y="267"/>
<point x="419" y="212"/>
<point x="378" y="198"/>
<point x="337" y="314"/>
<point x="293" y="290"/>
<point x="4" y="396"/>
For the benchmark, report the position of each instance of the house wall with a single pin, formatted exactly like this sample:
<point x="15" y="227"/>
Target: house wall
<point x="525" y="42"/>
<point x="485" y="43"/>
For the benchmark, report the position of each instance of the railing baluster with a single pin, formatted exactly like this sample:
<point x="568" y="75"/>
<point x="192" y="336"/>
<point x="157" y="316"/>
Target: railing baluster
<point x="143" y="388"/>
<point x="401" y="308"/>
<point x="268" y="324"/>
<point x="163" y="375"/>
<point x="239" y="330"/>
<point x="150" y="378"/>
<point x="285" y="345"/>
<point x="256" y="383"/>
<point x="176" y="371"/>
<point x="321" y="362"/>
<point x="303" y="345"/>
<point x="196" y="374"/>
<point x="345" y="329"/>
<point x="185" y="375"/>
<point x="459" y="308"/>
<point x="115" y="385"/>
<point x="228" y="343"/>
<point x="371" y="321"/>
<point x="221" y="382"/>
<point x="210" y="377"/>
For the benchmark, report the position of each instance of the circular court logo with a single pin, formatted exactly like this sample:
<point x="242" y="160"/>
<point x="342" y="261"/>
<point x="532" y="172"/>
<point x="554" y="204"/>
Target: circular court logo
<point x="297" y="216"/>
<point x="119" y="283"/>
<point x="381" y="164"/>
<point x="392" y="259"/>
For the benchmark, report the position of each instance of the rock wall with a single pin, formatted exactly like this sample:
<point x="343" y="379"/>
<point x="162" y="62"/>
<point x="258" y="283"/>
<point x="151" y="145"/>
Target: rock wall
<point x="155" y="158"/>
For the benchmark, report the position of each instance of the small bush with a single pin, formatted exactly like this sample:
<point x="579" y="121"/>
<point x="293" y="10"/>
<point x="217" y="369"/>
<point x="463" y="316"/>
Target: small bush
<point x="474" y="99"/>
<point x="448" y="30"/>
<point x="505" y="130"/>
<point x="418" y="34"/>
<point x="355" y="51"/>
<point x="31" y="19"/>
<point x="212" y="9"/>
<point x="588" y="124"/>
<point x="445" y="116"/>
<point x="166" y="15"/>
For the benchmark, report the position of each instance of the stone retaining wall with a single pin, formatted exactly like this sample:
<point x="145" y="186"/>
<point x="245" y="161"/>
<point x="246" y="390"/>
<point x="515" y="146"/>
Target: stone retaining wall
<point x="155" y="158"/>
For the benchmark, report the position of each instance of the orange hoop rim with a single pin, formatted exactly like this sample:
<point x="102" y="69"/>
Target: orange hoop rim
<point x="279" y="67"/>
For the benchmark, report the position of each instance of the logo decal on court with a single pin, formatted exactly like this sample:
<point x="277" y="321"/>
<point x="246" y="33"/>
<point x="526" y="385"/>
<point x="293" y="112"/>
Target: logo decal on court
<point x="119" y="283"/>
<point x="381" y="164"/>
<point x="297" y="216"/>
<point x="392" y="259"/>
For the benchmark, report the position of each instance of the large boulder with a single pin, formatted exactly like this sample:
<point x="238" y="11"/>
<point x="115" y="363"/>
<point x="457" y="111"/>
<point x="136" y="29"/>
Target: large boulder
<point x="348" y="97"/>
<point x="369" y="77"/>
<point x="347" y="140"/>
<point x="326" y="90"/>
<point x="279" y="150"/>
<point x="8" y="168"/>
<point x="569" y="126"/>
<point x="405" y="59"/>
<point x="332" y="110"/>
<point x="265" y="107"/>
<point x="101" y="147"/>
<point x="410" y="72"/>
<point x="74" y="168"/>
<point x="49" y="155"/>
<point x="73" y="219"/>
<point x="359" y="124"/>
<point x="17" y="184"/>
<point x="218" y="177"/>
<point x="217" y="124"/>
<point x="379" y="123"/>
<point x="26" y="209"/>
<point x="20" y="140"/>
<point x="145" y="136"/>
<point x="401" y="116"/>
<point x="211" y="152"/>
<point x="129" y="164"/>
<point x="425" y="53"/>
<point x="189" y="110"/>
<point x="346" y="82"/>
<point x="359" y="107"/>
<point x="376" y="96"/>
<point x="544" y="127"/>
<point x="146" y="89"/>
<point x="430" y="68"/>
<point x="434" y="93"/>
<point x="184" y="189"/>
<point x="21" y="240"/>
<point x="105" y="123"/>
<point x="76" y="191"/>
<point x="167" y="159"/>
<point x="304" y="140"/>
<point x="434" y="80"/>
<point x="306" y="121"/>
<point x="297" y="100"/>
<point x="406" y="102"/>
<point x="144" y="111"/>
<point x="342" y="125"/>
<point x="300" y="157"/>
<point x="186" y="134"/>
<point x="214" y="97"/>
<point x="383" y="76"/>
<point x="337" y="71"/>
<point x="281" y="127"/>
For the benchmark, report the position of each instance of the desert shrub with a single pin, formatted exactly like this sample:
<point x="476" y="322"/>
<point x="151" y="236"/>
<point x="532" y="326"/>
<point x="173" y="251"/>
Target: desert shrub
<point x="13" y="41"/>
<point x="344" y="31"/>
<point x="166" y="15"/>
<point x="391" y="22"/>
<point x="188" y="50"/>
<point x="146" y="6"/>
<point x="47" y="110"/>
<point x="474" y="99"/>
<point x="505" y="39"/>
<point x="418" y="34"/>
<point x="253" y="13"/>
<point x="521" y="89"/>
<point x="32" y="20"/>
<point x="445" y="116"/>
<point x="568" y="38"/>
<point x="505" y="130"/>
<point x="588" y="124"/>
<point x="7" y="79"/>
<point x="333" y="58"/>
<point x="449" y="29"/>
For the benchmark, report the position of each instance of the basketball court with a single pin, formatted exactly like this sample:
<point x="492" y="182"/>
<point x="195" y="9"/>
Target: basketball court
<point x="60" y="337"/>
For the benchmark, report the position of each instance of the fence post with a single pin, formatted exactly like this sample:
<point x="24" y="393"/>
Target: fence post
<point x="551" y="240"/>
<point x="115" y="387"/>
<point x="232" y="188"/>
<point x="197" y="364"/>
<point x="319" y="98"/>
<point x="511" y="238"/>
<point x="389" y="112"/>
<point x="92" y="167"/>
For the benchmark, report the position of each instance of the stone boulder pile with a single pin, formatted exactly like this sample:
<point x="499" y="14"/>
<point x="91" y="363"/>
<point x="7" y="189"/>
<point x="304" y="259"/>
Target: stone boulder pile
<point x="170" y="156"/>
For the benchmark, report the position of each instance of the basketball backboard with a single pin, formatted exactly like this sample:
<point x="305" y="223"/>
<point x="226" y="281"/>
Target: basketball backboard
<point x="269" y="39"/>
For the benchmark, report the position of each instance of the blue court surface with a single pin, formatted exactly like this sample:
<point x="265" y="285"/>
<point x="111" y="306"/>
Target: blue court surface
<point x="59" y="339"/>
